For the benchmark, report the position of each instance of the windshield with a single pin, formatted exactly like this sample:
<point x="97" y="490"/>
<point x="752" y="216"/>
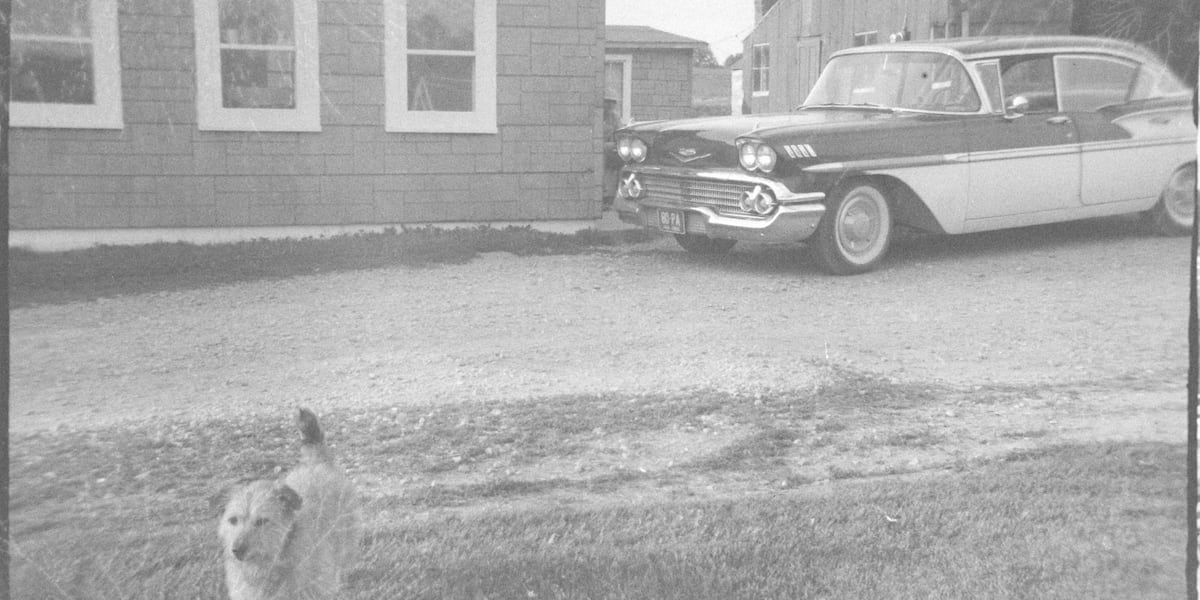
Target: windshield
<point x="905" y="80"/>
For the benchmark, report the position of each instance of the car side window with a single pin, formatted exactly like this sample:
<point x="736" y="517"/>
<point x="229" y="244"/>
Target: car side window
<point x="1154" y="81"/>
<point x="1032" y="77"/>
<point x="989" y="74"/>
<point x="1089" y="82"/>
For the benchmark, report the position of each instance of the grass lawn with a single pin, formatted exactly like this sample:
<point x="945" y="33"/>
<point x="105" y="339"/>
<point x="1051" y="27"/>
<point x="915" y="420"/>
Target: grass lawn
<point x="477" y="501"/>
<point x="124" y="513"/>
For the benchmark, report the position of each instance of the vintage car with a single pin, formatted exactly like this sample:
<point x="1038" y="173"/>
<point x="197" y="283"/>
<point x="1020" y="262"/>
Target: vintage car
<point x="948" y="136"/>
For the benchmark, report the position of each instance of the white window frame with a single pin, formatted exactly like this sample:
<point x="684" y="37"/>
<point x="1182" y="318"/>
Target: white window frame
<point x="211" y="115"/>
<point x="106" y="112"/>
<point x="626" y="61"/>
<point x="397" y="117"/>
<point x="866" y="38"/>
<point x="763" y="80"/>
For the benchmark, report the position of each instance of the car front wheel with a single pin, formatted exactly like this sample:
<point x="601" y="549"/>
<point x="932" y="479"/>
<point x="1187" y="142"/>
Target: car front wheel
<point x="702" y="244"/>
<point x="855" y="232"/>
<point x="1176" y="208"/>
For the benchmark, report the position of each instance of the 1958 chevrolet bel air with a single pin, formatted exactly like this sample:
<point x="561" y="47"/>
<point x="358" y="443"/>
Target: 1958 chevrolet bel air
<point x="949" y="136"/>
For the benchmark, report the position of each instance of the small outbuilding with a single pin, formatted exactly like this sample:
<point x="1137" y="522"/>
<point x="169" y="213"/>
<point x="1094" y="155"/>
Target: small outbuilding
<point x="648" y="72"/>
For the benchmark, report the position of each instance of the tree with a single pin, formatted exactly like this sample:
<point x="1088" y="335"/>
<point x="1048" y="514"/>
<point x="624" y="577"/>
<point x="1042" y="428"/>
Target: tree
<point x="1169" y="27"/>
<point x="732" y="59"/>
<point x="703" y="57"/>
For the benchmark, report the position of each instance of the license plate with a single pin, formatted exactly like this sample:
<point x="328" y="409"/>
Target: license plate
<point x="671" y="221"/>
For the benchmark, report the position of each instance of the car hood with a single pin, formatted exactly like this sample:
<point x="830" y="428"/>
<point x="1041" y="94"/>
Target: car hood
<point x="709" y="142"/>
<point x="728" y="129"/>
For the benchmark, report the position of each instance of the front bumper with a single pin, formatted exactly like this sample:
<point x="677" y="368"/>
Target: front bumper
<point x="794" y="220"/>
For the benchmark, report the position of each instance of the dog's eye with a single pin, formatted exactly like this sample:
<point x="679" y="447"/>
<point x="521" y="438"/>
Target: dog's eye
<point x="259" y="522"/>
<point x="233" y="520"/>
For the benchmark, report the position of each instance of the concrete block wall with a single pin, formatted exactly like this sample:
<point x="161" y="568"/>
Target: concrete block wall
<point x="161" y="171"/>
<point x="660" y="83"/>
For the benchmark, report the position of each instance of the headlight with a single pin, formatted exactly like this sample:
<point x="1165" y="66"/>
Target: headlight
<point x="631" y="149"/>
<point x="637" y="150"/>
<point x="623" y="148"/>
<point x="748" y="155"/>
<point x="757" y="156"/>
<point x="765" y="158"/>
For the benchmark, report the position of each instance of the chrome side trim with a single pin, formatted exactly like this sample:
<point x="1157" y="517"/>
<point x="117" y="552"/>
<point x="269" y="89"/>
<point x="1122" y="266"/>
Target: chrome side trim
<point x="932" y="160"/>
<point x="1172" y="110"/>
<point x="1134" y="143"/>
<point x="989" y="155"/>
<point x="1016" y="153"/>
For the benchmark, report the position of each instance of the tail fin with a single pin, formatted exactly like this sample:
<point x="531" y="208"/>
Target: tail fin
<point x="312" y="439"/>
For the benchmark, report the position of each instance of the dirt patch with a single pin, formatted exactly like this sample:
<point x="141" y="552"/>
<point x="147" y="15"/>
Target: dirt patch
<point x="1046" y="336"/>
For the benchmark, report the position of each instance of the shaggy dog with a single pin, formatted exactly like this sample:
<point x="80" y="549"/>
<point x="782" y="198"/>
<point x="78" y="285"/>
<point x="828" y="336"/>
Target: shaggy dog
<point x="293" y="538"/>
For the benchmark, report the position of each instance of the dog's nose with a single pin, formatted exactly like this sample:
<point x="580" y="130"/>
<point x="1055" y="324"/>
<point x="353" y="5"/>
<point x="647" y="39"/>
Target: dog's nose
<point x="239" y="551"/>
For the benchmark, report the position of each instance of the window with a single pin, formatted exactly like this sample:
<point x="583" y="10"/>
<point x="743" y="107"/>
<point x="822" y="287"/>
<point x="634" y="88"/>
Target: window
<point x="989" y="74"/>
<point x="924" y="81"/>
<point x="65" y="68"/>
<point x="1154" y="80"/>
<point x="1032" y="77"/>
<point x="866" y="38"/>
<point x="257" y="65"/>
<point x="760" y="69"/>
<point x="1087" y="83"/>
<point x="440" y="66"/>
<point x="617" y="82"/>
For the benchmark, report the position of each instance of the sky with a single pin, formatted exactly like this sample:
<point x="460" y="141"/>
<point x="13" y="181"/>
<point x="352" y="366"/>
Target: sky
<point x="721" y="23"/>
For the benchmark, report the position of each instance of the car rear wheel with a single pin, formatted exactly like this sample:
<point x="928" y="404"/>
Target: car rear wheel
<point x="854" y="235"/>
<point x="1176" y="208"/>
<point x="702" y="244"/>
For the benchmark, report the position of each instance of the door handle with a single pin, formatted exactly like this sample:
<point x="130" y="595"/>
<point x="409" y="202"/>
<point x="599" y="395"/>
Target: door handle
<point x="1059" y="120"/>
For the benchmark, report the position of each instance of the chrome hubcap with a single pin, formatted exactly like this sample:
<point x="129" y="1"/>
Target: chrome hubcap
<point x="1179" y="196"/>
<point x="860" y="227"/>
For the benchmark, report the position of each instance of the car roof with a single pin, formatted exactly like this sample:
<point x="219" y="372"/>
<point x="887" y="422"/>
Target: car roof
<point x="978" y="47"/>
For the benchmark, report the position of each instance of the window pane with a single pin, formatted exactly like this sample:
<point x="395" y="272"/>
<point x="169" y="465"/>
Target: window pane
<point x="866" y="38"/>
<point x="54" y="72"/>
<point x="760" y="68"/>
<point x="258" y="79"/>
<point x="990" y="75"/>
<point x="1154" y="81"/>
<point x="441" y="24"/>
<point x="256" y="22"/>
<point x="913" y="80"/>
<point x="1032" y="78"/>
<point x="444" y="83"/>
<point x="614" y="87"/>
<point x="51" y="17"/>
<point x="1089" y="83"/>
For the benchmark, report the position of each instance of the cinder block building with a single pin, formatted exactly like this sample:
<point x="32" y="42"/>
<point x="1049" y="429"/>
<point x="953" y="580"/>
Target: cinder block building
<point x="145" y="120"/>
<point x="649" y="72"/>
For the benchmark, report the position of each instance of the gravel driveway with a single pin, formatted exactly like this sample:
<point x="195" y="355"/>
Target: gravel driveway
<point x="1096" y="309"/>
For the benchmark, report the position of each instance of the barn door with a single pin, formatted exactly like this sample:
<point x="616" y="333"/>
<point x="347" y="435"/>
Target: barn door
<point x="808" y="66"/>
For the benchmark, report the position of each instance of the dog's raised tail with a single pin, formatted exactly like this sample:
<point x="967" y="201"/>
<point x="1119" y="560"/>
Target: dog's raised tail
<point x="312" y="439"/>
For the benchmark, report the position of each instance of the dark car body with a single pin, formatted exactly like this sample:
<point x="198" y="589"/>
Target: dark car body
<point x="949" y="136"/>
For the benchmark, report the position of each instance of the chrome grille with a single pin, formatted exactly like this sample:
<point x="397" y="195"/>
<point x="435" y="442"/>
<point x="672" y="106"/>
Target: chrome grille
<point x="718" y="195"/>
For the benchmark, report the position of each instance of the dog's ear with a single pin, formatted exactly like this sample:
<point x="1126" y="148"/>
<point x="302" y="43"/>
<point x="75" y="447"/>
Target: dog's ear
<point x="288" y="498"/>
